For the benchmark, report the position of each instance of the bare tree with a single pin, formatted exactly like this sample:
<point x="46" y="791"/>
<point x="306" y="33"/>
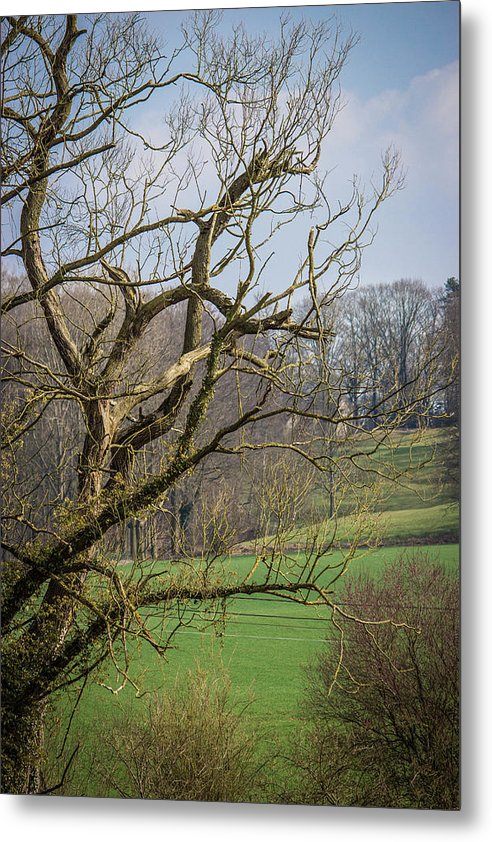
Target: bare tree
<point x="383" y="721"/>
<point x="115" y="232"/>
<point x="391" y="331"/>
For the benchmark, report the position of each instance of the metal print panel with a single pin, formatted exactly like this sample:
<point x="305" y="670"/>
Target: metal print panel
<point x="230" y="465"/>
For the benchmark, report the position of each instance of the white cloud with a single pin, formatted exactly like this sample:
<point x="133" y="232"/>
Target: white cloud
<point x="418" y="228"/>
<point x="422" y="121"/>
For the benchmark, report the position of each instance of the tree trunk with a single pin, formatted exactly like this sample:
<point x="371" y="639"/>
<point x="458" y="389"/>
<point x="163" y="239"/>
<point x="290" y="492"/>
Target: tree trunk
<point x="22" y="744"/>
<point x="28" y="660"/>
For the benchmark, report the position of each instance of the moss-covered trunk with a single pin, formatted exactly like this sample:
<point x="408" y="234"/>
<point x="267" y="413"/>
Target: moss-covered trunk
<point x="22" y="745"/>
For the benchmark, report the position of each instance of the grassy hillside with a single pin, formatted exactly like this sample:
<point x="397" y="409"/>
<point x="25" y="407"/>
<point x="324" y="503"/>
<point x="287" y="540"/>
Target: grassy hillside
<point x="404" y="493"/>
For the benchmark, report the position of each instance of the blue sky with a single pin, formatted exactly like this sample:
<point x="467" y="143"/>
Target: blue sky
<point x="400" y="86"/>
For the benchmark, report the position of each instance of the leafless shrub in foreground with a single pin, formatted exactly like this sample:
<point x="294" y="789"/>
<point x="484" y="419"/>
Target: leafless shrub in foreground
<point x="383" y="701"/>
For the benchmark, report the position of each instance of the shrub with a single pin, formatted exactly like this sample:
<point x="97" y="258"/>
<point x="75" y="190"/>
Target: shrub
<point x="188" y="744"/>
<point x="383" y="699"/>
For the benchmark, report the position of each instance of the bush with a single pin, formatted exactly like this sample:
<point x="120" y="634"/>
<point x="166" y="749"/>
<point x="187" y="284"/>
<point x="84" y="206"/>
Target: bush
<point x="189" y="744"/>
<point x="383" y="700"/>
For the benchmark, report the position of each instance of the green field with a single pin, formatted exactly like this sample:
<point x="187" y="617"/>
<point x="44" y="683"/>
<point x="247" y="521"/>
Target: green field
<point x="412" y="501"/>
<point x="264" y="644"/>
<point x="267" y="641"/>
<point x="407" y="526"/>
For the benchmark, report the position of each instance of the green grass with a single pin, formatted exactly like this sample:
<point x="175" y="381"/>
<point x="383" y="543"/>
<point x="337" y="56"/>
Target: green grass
<point x="430" y="525"/>
<point x="267" y="653"/>
<point x="416" y="505"/>
<point x="265" y="645"/>
<point x="267" y="642"/>
<point x="423" y="523"/>
<point x="412" y="469"/>
<point x="407" y="525"/>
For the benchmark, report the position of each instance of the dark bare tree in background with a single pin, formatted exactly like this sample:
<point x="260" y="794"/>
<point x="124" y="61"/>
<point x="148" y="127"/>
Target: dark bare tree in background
<point x="139" y="296"/>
